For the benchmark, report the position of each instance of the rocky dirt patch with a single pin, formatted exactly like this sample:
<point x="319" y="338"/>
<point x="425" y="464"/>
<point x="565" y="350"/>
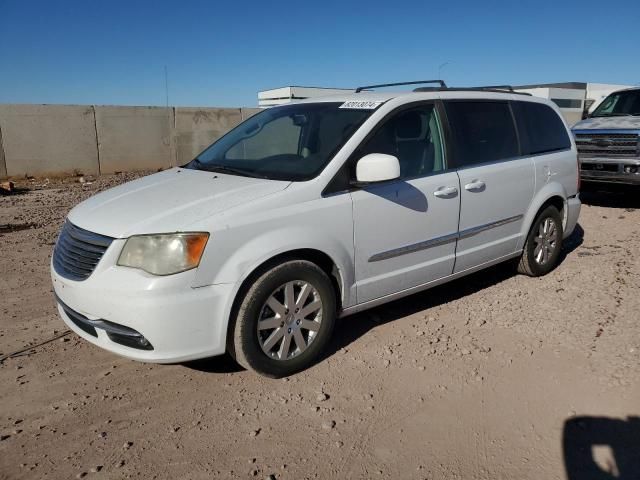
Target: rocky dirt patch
<point x="473" y="379"/>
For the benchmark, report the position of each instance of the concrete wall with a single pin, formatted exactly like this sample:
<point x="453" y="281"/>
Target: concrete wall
<point x="46" y="139"/>
<point x="197" y="128"/>
<point x="249" y="112"/>
<point x="134" y="138"/>
<point x="87" y="139"/>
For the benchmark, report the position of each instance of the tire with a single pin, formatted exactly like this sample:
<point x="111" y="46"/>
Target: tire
<point x="273" y="351"/>
<point x="544" y="243"/>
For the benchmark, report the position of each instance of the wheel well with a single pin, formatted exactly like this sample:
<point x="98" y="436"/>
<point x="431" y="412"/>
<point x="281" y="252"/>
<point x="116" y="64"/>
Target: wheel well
<point x="556" y="201"/>
<point x="317" y="257"/>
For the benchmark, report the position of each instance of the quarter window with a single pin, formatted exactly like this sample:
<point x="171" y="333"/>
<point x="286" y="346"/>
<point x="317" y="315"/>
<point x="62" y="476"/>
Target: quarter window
<point x="413" y="136"/>
<point x="482" y="131"/>
<point x="540" y="128"/>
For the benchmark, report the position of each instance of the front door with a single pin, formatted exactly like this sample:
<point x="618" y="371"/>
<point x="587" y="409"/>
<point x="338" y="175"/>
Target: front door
<point x="405" y="231"/>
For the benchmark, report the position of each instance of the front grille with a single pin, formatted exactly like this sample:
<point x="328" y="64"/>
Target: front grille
<point x="78" y="251"/>
<point x="616" y="145"/>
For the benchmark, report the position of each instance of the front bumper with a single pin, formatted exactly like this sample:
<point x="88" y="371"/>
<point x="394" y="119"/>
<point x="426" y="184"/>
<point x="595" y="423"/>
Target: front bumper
<point x="178" y="322"/>
<point x="610" y="170"/>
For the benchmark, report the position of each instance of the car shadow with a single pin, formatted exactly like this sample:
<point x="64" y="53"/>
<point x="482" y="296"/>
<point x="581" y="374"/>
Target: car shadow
<point x="601" y="448"/>
<point x="401" y="193"/>
<point x="572" y="242"/>
<point x="220" y="364"/>
<point x="612" y="196"/>
<point x="355" y="326"/>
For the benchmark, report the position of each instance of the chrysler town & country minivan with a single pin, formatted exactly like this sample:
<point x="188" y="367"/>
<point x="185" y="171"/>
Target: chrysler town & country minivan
<point x="315" y="210"/>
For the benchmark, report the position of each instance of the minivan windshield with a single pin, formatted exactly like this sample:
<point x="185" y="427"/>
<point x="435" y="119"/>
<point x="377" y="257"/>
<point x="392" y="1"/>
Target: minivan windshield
<point x="291" y="142"/>
<point x="619" y="104"/>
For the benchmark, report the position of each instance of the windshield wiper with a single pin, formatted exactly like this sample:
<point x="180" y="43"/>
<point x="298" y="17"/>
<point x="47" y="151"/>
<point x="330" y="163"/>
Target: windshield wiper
<point x="227" y="169"/>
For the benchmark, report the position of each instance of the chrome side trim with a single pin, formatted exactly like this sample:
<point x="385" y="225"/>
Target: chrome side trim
<point x="434" y="242"/>
<point x="425" y="286"/>
<point x="396" y="252"/>
<point x="469" y="232"/>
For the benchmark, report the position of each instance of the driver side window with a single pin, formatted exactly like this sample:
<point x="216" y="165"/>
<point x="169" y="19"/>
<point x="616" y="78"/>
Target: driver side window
<point x="413" y="136"/>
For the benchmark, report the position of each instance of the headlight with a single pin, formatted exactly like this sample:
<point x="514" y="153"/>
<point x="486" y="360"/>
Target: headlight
<point x="164" y="254"/>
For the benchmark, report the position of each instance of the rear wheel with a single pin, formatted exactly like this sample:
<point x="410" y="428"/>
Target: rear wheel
<point x="543" y="245"/>
<point x="284" y="320"/>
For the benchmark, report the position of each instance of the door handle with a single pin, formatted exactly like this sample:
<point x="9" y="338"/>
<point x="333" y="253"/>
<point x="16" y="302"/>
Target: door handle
<point x="475" y="186"/>
<point x="446" y="192"/>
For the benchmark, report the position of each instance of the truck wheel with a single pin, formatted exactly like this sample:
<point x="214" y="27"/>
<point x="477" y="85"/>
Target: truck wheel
<point x="284" y="320"/>
<point x="543" y="245"/>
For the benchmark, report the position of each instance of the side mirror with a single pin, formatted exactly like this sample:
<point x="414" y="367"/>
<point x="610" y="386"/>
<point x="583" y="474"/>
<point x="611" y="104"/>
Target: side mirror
<point x="377" y="167"/>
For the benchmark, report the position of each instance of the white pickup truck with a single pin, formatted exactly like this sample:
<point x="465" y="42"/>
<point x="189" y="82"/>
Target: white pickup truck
<point x="608" y="140"/>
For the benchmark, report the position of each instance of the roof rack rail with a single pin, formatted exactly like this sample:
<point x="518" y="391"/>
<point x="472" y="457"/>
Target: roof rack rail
<point x="495" y="87"/>
<point x="368" y="87"/>
<point x="487" y="88"/>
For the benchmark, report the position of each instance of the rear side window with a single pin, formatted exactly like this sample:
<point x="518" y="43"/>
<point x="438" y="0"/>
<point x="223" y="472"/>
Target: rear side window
<point x="540" y="128"/>
<point x="482" y="131"/>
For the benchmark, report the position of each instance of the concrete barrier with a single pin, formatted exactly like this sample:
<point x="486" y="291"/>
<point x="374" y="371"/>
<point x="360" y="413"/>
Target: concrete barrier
<point x="48" y="139"/>
<point x="87" y="139"/>
<point x="134" y="138"/>
<point x="197" y="128"/>
<point x="249" y="112"/>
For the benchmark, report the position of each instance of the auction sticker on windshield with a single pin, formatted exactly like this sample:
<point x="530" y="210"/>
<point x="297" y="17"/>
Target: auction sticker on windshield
<point x="362" y="105"/>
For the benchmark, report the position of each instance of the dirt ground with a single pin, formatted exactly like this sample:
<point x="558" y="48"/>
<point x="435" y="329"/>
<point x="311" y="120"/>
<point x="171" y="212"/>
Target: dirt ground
<point x="493" y="376"/>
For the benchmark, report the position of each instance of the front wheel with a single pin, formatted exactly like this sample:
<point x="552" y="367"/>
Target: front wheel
<point x="543" y="245"/>
<point x="284" y="320"/>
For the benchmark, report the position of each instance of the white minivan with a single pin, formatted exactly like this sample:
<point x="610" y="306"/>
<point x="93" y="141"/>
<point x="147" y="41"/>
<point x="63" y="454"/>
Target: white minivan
<point x="315" y="210"/>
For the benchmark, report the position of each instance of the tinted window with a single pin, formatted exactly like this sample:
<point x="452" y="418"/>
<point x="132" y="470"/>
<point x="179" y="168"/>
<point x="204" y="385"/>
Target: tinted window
<point x="413" y="136"/>
<point x="567" y="102"/>
<point x="482" y="131"/>
<point x="623" y="103"/>
<point x="541" y="129"/>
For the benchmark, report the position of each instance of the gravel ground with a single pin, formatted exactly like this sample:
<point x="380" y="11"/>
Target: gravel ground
<point x="492" y="376"/>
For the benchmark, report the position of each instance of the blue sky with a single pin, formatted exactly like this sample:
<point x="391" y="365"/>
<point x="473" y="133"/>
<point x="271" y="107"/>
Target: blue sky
<point x="220" y="53"/>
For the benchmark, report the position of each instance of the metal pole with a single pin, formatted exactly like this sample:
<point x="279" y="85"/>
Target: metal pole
<point x="440" y="68"/>
<point x="166" y="86"/>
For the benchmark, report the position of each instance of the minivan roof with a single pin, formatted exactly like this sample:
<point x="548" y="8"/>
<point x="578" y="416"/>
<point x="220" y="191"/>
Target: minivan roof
<point x="370" y="96"/>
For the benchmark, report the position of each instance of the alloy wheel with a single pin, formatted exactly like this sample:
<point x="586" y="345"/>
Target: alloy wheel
<point x="546" y="241"/>
<point x="289" y="320"/>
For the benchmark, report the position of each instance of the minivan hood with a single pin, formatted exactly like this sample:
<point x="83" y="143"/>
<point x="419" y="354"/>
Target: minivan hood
<point x="608" y="123"/>
<point x="167" y="202"/>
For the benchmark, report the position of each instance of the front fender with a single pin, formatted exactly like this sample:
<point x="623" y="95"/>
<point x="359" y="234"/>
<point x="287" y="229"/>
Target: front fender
<point x="260" y="249"/>
<point x="243" y="241"/>
<point x="250" y="255"/>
